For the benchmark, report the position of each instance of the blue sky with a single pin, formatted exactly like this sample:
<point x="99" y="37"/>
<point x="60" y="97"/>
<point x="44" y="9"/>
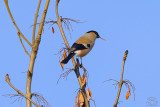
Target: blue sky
<point x="126" y="25"/>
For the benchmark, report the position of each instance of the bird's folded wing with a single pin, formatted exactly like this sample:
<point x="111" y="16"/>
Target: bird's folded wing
<point x="76" y="46"/>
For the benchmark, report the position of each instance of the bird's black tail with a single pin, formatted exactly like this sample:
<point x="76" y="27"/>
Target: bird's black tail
<point x="68" y="58"/>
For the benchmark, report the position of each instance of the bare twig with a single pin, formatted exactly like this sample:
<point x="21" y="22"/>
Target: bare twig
<point x="121" y="80"/>
<point x="53" y="22"/>
<point x="15" y="95"/>
<point x="34" y="54"/>
<point x="111" y="80"/>
<point x="23" y="45"/>
<point x="40" y="99"/>
<point x="93" y="102"/>
<point x="65" y="74"/>
<point x="6" y="3"/>
<point x="18" y="91"/>
<point x="73" y="61"/>
<point x="68" y="24"/>
<point x="69" y="19"/>
<point x="35" y="21"/>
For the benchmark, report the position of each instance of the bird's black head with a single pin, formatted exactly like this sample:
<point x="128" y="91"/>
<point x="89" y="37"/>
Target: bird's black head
<point x="95" y="33"/>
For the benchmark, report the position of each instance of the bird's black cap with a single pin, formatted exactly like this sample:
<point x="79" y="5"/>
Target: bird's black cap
<point x="94" y="32"/>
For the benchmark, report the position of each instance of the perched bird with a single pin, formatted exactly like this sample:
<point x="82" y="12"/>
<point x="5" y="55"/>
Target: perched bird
<point x="82" y="46"/>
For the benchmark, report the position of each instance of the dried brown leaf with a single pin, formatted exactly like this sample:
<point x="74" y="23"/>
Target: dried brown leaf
<point x="52" y="30"/>
<point x="76" y="102"/>
<point x="128" y="94"/>
<point x="87" y="95"/>
<point x="64" y="55"/>
<point x="90" y="93"/>
<point x="61" y="65"/>
<point x="80" y="99"/>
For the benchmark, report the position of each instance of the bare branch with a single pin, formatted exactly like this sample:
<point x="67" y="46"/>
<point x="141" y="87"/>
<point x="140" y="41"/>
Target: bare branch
<point x="121" y="80"/>
<point x="73" y="61"/>
<point x="34" y="54"/>
<point x="6" y="3"/>
<point x="18" y="91"/>
<point x="23" y="45"/>
<point x="35" y="21"/>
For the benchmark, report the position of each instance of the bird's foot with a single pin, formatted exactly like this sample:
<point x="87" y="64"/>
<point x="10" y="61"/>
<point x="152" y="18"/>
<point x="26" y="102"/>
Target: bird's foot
<point x="81" y="65"/>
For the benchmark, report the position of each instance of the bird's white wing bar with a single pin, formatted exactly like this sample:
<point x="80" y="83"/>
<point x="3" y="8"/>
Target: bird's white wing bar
<point x="86" y="45"/>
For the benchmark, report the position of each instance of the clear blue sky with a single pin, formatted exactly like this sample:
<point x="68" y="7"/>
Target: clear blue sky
<point x="132" y="25"/>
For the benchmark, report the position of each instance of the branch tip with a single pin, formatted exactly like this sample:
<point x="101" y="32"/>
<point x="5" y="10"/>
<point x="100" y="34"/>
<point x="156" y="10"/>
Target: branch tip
<point x="7" y="78"/>
<point x="125" y="55"/>
<point x="121" y="80"/>
<point x="35" y="21"/>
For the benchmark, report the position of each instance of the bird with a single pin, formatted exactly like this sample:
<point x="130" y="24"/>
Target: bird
<point x="82" y="46"/>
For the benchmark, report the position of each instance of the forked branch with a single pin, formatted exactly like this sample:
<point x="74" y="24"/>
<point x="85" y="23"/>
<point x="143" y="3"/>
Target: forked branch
<point x="34" y="54"/>
<point x="23" y="45"/>
<point x="35" y="21"/>
<point x="34" y="46"/>
<point x="6" y="3"/>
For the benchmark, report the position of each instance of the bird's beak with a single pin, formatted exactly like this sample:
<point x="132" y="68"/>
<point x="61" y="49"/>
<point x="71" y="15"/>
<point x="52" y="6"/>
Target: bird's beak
<point x="102" y="38"/>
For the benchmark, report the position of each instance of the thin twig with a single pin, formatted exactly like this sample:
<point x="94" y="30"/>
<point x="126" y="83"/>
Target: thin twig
<point x="6" y="3"/>
<point x="121" y="80"/>
<point x="20" y="97"/>
<point x="66" y="21"/>
<point x="35" y="21"/>
<point x="73" y="61"/>
<point x="40" y="99"/>
<point x="111" y="80"/>
<point x="65" y="74"/>
<point x="23" y="45"/>
<point x="18" y="91"/>
<point x="68" y="24"/>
